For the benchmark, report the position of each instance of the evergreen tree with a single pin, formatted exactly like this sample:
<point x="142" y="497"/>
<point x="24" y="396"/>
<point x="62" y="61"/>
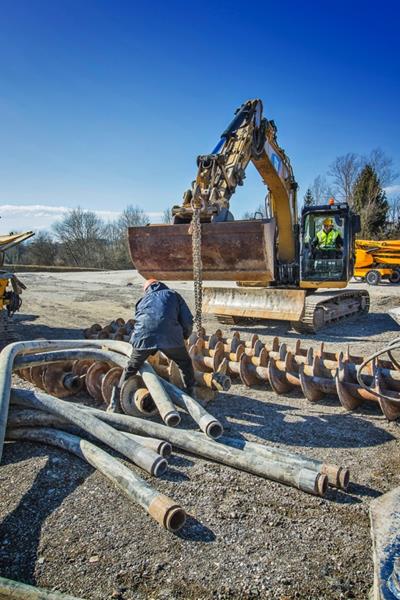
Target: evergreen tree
<point x="369" y="201"/>
<point x="308" y="198"/>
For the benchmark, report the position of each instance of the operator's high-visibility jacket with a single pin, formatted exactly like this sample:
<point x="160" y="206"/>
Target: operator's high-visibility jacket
<point x="330" y="240"/>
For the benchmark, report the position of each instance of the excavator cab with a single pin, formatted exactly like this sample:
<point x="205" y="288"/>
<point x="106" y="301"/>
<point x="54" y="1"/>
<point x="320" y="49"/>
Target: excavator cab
<point x="326" y="247"/>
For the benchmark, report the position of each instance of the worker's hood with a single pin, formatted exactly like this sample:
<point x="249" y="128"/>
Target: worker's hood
<point x="156" y="287"/>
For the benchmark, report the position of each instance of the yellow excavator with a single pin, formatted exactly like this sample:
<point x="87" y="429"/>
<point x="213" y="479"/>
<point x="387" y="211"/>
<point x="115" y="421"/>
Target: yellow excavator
<point x="275" y="260"/>
<point x="10" y="287"/>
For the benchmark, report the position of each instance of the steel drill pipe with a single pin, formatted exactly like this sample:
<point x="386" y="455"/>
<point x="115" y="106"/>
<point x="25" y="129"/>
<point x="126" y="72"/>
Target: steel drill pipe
<point x="164" y="510"/>
<point x="162" y="448"/>
<point x="307" y="480"/>
<point x="121" y="349"/>
<point x="297" y="349"/>
<point x="26" y="417"/>
<point x="56" y="379"/>
<point x="70" y="354"/>
<point x="207" y="423"/>
<point x="32" y="417"/>
<point x="145" y="458"/>
<point x="254" y="346"/>
<point x="338" y="477"/>
<point x="167" y="410"/>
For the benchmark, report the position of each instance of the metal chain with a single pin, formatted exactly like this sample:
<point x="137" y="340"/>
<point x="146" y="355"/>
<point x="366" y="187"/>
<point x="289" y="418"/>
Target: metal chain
<point x="197" y="268"/>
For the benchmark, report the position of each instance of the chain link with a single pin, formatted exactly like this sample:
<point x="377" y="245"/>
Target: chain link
<point x="197" y="268"/>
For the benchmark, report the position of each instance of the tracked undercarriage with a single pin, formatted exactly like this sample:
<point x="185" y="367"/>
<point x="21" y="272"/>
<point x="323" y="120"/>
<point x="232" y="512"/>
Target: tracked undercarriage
<point x="307" y="313"/>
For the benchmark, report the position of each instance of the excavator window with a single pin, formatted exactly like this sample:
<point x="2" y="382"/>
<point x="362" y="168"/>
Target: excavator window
<point x="323" y="253"/>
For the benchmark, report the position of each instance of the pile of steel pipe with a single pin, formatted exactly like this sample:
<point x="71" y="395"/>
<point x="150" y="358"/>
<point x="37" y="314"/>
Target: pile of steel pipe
<point x="101" y="368"/>
<point x="67" y="378"/>
<point x="293" y="470"/>
<point x="146" y="455"/>
<point x="101" y="376"/>
<point x="296" y="471"/>
<point x="316" y="372"/>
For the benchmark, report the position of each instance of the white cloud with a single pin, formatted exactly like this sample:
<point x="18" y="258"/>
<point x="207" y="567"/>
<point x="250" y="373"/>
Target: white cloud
<point x="33" y="217"/>
<point x="392" y="189"/>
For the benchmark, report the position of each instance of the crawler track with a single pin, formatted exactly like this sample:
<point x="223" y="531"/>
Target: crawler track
<point x="323" y="309"/>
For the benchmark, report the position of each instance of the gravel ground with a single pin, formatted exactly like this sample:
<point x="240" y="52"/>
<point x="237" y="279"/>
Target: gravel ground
<point x="63" y="526"/>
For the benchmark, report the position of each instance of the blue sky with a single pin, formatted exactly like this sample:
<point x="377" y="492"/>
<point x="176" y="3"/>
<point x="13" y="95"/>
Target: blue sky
<point x="108" y="103"/>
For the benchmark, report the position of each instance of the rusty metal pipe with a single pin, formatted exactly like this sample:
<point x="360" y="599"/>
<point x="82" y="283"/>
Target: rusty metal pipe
<point x="164" y="510"/>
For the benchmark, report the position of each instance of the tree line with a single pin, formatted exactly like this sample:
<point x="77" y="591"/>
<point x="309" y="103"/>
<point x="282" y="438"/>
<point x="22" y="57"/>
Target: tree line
<point x="82" y="239"/>
<point x="360" y="181"/>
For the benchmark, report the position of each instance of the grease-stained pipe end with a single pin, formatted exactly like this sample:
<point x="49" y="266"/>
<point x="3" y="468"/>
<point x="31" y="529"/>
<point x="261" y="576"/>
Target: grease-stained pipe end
<point x="165" y="449"/>
<point x="321" y="484"/>
<point x="338" y="477"/>
<point x="343" y="478"/>
<point x="214" y="430"/>
<point x="172" y="419"/>
<point x="211" y="427"/>
<point x="159" y="467"/>
<point x="166" y="512"/>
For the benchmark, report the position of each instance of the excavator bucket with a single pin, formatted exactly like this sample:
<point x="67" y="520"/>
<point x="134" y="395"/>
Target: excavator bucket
<point x="232" y="251"/>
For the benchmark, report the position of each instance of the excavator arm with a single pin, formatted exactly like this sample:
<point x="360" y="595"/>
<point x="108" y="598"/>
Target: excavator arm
<point x="249" y="137"/>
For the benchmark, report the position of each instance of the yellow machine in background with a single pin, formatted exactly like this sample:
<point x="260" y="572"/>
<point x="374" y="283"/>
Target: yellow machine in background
<point x="10" y="287"/>
<point x="377" y="260"/>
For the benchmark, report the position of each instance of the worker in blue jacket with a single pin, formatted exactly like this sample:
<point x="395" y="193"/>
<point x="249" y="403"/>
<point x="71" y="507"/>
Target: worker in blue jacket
<point x="162" y="322"/>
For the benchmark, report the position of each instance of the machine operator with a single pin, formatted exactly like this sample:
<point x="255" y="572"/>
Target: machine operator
<point x="163" y="321"/>
<point x="328" y="240"/>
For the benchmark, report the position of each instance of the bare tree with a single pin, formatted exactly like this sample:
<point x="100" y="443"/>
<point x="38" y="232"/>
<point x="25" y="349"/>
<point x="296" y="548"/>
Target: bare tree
<point x="42" y="250"/>
<point x="81" y="234"/>
<point x="320" y="190"/>
<point x="393" y="218"/>
<point x="167" y="216"/>
<point x="344" y="171"/>
<point x="382" y="165"/>
<point x="133" y="216"/>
